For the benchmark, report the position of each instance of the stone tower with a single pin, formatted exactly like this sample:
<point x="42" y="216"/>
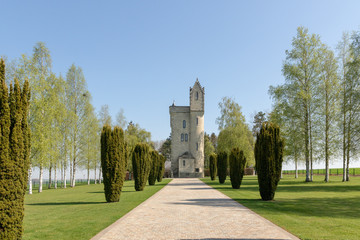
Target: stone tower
<point x="187" y="135"/>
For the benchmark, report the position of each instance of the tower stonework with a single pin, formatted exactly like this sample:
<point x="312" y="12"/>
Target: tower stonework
<point x="187" y="135"/>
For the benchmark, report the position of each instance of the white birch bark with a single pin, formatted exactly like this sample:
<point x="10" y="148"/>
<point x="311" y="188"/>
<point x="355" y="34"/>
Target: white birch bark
<point x="55" y="177"/>
<point x="30" y="180"/>
<point x="40" y="179"/>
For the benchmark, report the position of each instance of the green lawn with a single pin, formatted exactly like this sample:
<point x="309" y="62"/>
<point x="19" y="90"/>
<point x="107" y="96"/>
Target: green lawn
<point x="78" y="213"/>
<point x="316" y="210"/>
<point x="333" y="171"/>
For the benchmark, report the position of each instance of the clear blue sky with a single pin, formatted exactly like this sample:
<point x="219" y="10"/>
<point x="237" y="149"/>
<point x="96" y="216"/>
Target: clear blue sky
<point x="142" y="55"/>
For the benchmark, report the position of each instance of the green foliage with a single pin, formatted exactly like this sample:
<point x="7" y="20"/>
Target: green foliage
<point x="237" y="163"/>
<point x="268" y="156"/>
<point x="222" y="165"/>
<point x="14" y="152"/>
<point x="113" y="162"/>
<point x="141" y="162"/>
<point x="135" y="134"/>
<point x="165" y="148"/>
<point x="208" y="149"/>
<point x="213" y="166"/>
<point x="233" y="130"/>
<point x="154" y="167"/>
<point x="161" y="169"/>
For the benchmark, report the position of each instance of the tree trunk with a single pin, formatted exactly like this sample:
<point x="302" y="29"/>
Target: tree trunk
<point x="88" y="174"/>
<point x="55" y="177"/>
<point x="74" y="172"/>
<point x="100" y="176"/>
<point x="326" y="137"/>
<point x="64" y="178"/>
<point x="348" y="142"/>
<point x="344" y="135"/>
<point x="50" y="168"/>
<point x="61" y="174"/>
<point x="70" y="173"/>
<point x="296" y="167"/>
<point x="306" y="130"/>
<point x="40" y="178"/>
<point x="95" y="174"/>
<point x="30" y="180"/>
<point x="311" y="147"/>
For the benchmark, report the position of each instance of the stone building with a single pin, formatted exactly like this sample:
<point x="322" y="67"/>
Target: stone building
<point x="187" y="135"/>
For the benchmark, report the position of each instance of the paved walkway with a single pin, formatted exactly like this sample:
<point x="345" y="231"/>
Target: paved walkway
<point x="189" y="209"/>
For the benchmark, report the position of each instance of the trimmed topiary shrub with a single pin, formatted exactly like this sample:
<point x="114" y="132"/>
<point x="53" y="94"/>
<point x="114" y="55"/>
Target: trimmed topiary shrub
<point x="14" y="155"/>
<point x="141" y="163"/>
<point x="154" y="167"/>
<point x="213" y="166"/>
<point x="161" y="168"/>
<point x="113" y="162"/>
<point x="268" y="157"/>
<point x="237" y="163"/>
<point x="222" y="164"/>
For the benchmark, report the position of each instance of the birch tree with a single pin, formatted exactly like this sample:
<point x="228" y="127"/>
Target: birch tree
<point x="344" y="57"/>
<point x="91" y="138"/>
<point x="301" y="69"/>
<point x="329" y="92"/>
<point x="76" y="99"/>
<point x="40" y="107"/>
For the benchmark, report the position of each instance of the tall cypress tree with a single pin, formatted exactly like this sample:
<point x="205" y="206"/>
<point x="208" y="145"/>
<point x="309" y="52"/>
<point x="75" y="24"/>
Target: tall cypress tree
<point x="154" y="167"/>
<point x="268" y="156"/>
<point x="7" y="186"/>
<point x="12" y="157"/>
<point x="161" y="168"/>
<point x="141" y="162"/>
<point x="213" y="166"/>
<point x="222" y="164"/>
<point x="237" y="163"/>
<point x="113" y="162"/>
<point x="25" y="100"/>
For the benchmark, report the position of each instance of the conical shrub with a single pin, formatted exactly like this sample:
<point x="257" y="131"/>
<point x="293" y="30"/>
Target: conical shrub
<point x="268" y="158"/>
<point x="237" y="163"/>
<point x="161" y="168"/>
<point x="113" y="162"/>
<point x="222" y="164"/>
<point x="154" y="167"/>
<point x="213" y="166"/>
<point x="141" y="163"/>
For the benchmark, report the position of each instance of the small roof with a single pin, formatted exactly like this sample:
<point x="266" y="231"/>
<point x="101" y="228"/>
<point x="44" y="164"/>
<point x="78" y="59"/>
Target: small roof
<point x="186" y="155"/>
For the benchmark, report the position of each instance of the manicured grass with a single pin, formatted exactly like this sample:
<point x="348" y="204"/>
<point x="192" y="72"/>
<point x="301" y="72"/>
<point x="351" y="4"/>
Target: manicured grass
<point x="80" y="212"/>
<point x="332" y="171"/>
<point x="316" y="210"/>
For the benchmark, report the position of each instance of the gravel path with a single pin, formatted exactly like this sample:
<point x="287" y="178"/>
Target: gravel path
<point x="187" y="208"/>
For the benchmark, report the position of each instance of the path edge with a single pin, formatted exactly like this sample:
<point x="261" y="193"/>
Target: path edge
<point x="292" y="236"/>
<point x="100" y="234"/>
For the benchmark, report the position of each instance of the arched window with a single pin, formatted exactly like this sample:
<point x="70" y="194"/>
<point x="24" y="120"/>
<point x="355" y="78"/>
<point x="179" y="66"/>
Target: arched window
<point x="197" y="121"/>
<point x="184" y="124"/>
<point x="197" y="146"/>
<point x="196" y="95"/>
<point x="182" y="137"/>
<point x="186" y="137"/>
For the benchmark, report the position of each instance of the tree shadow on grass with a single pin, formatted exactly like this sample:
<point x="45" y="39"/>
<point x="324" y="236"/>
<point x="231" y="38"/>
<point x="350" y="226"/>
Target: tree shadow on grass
<point x="64" y="203"/>
<point x="312" y="207"/>
<point x="319" y="188"/>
